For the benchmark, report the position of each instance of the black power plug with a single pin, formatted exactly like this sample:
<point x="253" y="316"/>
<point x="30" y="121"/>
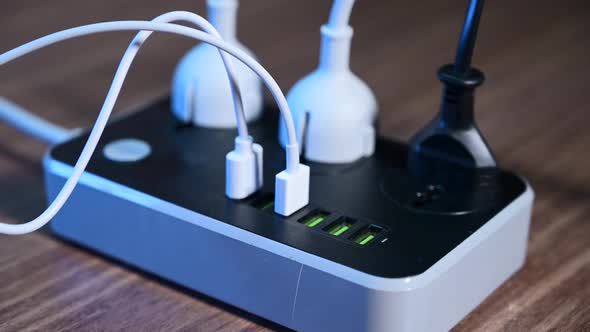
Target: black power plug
<point x="452" y="141"/>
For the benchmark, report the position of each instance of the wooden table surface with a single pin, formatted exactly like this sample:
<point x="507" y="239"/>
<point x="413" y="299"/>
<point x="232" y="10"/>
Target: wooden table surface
<point x="534" y="110"/>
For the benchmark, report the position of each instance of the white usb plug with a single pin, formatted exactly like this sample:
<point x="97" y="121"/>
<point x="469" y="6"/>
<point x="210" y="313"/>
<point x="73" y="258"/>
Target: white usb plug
<point x="292" y="184"/>
<point x="243" y="169"/>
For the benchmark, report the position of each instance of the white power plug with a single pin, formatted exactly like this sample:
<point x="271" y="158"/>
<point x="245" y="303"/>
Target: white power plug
<point x="200" y="92"/>
<point x="333" y="108"/>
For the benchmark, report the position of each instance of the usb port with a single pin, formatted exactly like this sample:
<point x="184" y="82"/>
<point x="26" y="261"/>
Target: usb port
<point x="340" y="226"/>
<point x="315" y="218"/>
<point x="266" y="202"/>
<point x="366" y="235"/>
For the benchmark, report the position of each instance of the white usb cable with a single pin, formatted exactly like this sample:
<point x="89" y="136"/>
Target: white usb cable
<point x="244" y="166"/>
<point x="30" y="124"/>
<point x="292" y="185"/>
<point x="17" y="117"/>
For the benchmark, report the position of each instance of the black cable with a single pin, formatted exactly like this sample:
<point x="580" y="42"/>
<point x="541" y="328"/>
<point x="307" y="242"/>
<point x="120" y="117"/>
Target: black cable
<point x="468" y="37"/>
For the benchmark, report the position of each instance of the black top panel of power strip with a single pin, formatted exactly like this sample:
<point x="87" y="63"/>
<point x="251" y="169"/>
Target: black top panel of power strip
<point x="421" y="219"/>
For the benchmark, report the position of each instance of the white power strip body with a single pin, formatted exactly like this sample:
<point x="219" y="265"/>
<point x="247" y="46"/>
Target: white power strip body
<point x="278" y="282"/>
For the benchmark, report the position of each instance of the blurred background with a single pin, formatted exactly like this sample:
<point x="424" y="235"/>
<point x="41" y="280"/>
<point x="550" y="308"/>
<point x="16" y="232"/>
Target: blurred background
<point x="534" y="107"/>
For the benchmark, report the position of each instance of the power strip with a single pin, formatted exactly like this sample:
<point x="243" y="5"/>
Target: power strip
<point x="375" y="250"/>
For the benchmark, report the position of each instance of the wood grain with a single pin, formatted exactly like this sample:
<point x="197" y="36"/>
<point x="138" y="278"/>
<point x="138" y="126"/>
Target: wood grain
<point x="534" y="109"/>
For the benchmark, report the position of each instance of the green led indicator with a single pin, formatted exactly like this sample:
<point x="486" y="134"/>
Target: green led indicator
<point x="367" y="235"/>
<point x="367" y="239"/>
<point x="314" y="221"/>
<point x="315" y="218"/>
<point x="339" y="228"/>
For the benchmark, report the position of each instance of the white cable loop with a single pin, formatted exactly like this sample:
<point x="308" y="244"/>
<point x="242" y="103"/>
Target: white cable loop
<point x="118" y="80"/>
<point x="51" y="133"/>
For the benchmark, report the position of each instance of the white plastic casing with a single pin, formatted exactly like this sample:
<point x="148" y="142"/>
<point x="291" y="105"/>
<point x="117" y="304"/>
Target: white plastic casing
<point x="243" y="167"/>
<point x="201" y="92"/>
<point x="333" y="109"/>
